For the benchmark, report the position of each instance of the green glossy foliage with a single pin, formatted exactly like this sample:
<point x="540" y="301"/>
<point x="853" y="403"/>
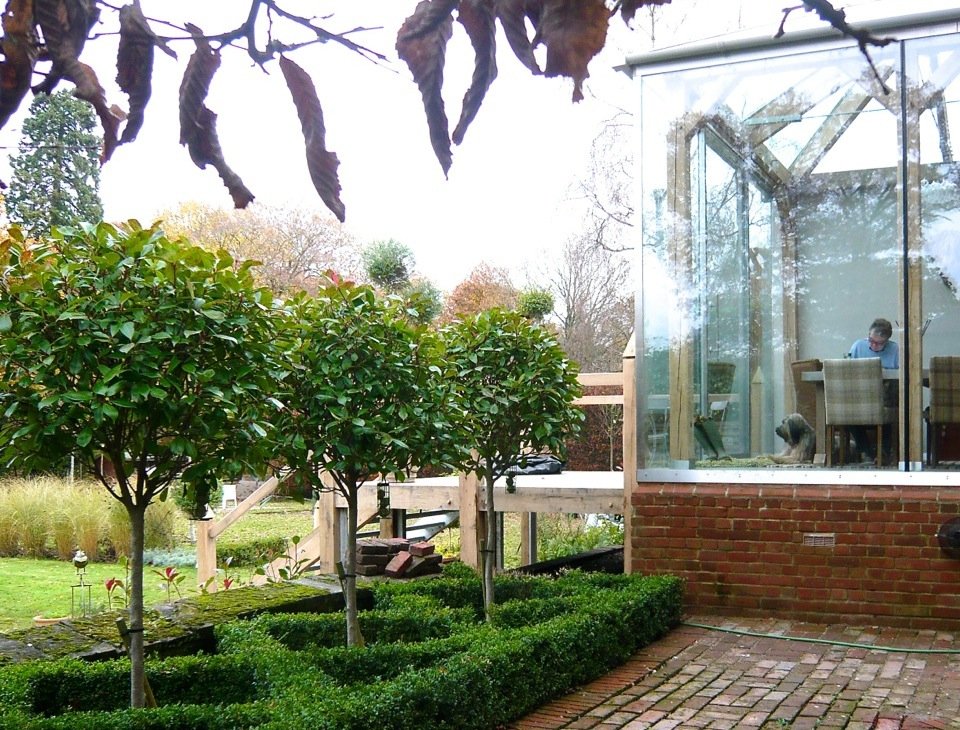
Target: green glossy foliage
<point x="516" y="390"/>
<point x="366" y="394"/>
<point x="118" y="341"/>
<point x="56" y="169"/>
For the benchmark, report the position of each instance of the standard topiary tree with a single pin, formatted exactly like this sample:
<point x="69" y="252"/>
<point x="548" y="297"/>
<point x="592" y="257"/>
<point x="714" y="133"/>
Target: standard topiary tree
<point x="150" y="359"/>
<point x="365" y="397"/>
<point x="516" y="389"/>
<point x="389" y="264"/>
<point x="535" y="304"/>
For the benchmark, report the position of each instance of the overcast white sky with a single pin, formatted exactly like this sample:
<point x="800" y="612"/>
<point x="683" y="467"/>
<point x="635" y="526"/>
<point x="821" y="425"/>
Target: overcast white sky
<point x="507" y="199"/>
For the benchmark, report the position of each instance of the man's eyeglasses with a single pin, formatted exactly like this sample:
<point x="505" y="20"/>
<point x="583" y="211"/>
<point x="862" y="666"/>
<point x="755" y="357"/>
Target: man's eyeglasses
<point x="877" y="342"/>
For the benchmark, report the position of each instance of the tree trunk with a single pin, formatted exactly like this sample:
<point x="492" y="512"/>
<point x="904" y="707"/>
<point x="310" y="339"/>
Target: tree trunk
<point x="354" y="637"/>
<point x="489" y="553"/>
<point x="135" y="610"/>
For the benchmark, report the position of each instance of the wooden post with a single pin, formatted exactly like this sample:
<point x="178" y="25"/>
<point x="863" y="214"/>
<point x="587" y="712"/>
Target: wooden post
<point x="470" y="522"/>
<point x="629" y="448"/>
<point x="757" y="425"/>
<point x="206" y="554"/>
<point x="911" y="343"/>
<point x="325" y="517"/>
<point x="528" y="538"/>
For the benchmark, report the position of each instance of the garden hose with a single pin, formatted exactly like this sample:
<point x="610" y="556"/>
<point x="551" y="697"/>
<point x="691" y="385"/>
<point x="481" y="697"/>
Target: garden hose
<point x="832" y="642"/>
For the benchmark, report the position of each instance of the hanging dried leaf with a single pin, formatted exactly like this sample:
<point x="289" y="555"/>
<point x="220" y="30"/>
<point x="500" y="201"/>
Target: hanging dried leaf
<point x="65" y="24"/>
<point x="628" y="8"/>
<point x="198" y="125"/>
<point x="19" y="46"/>
<point x="135" y="65"/>
<point x="513" y="15"/>
<point x="422" y="43"/>
<point x="477" y="18"/>
<point x="321" y="163"/>
<point x="574" y="31"/>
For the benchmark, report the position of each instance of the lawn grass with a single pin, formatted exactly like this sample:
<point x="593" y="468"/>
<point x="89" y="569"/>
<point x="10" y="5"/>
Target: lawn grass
<point x="30" y="587"/>
<point x="276" y="518"/>
<point x="41" y="587"/>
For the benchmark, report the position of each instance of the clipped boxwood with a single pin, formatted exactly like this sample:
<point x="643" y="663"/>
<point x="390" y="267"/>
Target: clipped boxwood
<point x="251" y="553"/>
<point x="69" y="685"/>
<point x="576" y="628"/>
<point x="410" y="618"/>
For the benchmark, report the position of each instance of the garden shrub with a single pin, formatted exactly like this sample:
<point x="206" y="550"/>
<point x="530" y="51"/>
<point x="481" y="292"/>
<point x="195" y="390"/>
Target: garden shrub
<point x="173" y="717"/>
<point x="69" y="685"/>
<point x="573" y="629"/>
<point x="559" y="535"/>
<point x="409" y="618"/>
<point x="460" y="586"/>
<point x="250" y="553"/>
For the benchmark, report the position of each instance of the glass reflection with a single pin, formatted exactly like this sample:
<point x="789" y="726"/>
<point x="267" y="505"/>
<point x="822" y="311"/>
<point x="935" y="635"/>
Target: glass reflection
<point x="780" y="217"/>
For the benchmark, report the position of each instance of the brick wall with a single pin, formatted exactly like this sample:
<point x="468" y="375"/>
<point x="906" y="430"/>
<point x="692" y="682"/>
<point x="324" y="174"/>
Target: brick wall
<point x="741" y="549"/>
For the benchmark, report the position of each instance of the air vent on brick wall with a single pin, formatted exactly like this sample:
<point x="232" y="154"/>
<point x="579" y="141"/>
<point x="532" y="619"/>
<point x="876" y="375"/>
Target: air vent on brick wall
<point x="820" y="539"/>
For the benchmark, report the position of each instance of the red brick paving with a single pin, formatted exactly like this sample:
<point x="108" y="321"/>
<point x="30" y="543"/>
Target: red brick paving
<point x="701" y="678"/>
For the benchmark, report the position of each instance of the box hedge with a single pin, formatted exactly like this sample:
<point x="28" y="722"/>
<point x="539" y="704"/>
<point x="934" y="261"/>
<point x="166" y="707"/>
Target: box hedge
<point x="429" y="661"/>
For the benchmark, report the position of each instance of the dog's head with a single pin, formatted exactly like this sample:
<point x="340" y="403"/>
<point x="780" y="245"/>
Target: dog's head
<point x="793" y="428"/>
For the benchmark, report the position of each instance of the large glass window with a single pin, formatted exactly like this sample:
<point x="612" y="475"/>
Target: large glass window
<point x="788" y="202"/>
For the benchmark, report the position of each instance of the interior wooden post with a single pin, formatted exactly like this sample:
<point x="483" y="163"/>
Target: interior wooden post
<point x="680" y="254"/>
<point x="911" y="387"/>
<point x="629" y="447"/>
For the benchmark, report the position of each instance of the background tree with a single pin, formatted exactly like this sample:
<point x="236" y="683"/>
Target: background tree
<point x="485" y="288"/>
<point x="120" y="343"/>
<point x="594" y="313"/>
<point x="56" y="169"/>
<point x="516" y="390"/>
<point x="364" y="397"/>
<point x="294" y="246"/>
<point x="425" y="299"/>
<point x="389" y="264"/>
<point x="594" y="303"/>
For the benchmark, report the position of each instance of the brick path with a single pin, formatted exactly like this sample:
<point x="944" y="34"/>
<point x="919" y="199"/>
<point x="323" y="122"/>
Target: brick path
<point x="699" y="678"/>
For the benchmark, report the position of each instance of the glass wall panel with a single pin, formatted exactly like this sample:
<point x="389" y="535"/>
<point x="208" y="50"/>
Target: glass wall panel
<point x="933" y="70"/>
<point x="771" y="219"/>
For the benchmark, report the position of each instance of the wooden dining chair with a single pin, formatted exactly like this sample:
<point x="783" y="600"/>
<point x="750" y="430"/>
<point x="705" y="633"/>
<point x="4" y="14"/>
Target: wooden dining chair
<point x="805" y="393"/>
<point x="944" y="403"/>
<point x="853" y="396"/>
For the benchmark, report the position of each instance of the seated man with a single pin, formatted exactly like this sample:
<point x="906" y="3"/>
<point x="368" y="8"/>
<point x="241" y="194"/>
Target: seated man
<point x="877" y="343"/>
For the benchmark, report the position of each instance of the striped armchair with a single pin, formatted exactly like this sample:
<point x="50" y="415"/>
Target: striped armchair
<point x="944" y="403"/>
<point x="853" y="396"/>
